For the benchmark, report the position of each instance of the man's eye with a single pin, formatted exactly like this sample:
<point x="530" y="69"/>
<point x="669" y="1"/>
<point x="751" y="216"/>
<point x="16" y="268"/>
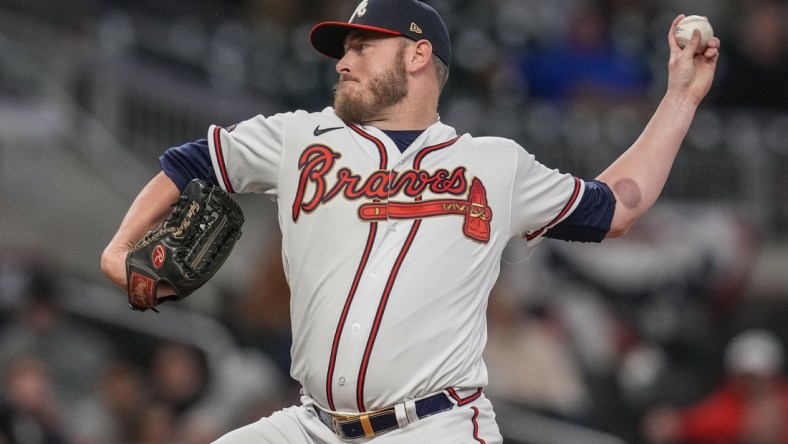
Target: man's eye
<point x="358" y="46"/>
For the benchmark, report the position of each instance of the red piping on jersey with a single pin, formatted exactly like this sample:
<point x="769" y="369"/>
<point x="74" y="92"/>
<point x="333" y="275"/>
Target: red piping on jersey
<point x="373" y="229"/>
<point x="561" y="215"/>
<point x="476" y="425"/>
<point x="362" y="373"/>
<point x="423" y="153"/>
<point x="335" y="346"/>
<point x="462" y="401"/>
<point x="217" y="146"/>
<point x="381" y="148"/>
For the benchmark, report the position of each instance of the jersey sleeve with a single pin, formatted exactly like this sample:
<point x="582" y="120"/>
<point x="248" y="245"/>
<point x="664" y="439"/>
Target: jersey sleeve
<point x="246" y="157"/>
<point x="541" y="197"/>
<point x="591" y="220"/>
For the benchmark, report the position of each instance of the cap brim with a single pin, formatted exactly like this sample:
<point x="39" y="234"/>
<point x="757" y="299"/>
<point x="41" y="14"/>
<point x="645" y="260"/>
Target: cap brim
<point x="328" y="38"/>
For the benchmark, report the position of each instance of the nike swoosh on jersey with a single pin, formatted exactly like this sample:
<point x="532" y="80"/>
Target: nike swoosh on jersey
<point x="319" y="131"/>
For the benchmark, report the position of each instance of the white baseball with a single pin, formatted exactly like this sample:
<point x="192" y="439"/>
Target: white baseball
<point x="689" y="24"/>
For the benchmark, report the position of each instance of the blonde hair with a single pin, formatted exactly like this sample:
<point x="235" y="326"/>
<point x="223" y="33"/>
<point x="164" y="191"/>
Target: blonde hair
<point x="441" y="70"/>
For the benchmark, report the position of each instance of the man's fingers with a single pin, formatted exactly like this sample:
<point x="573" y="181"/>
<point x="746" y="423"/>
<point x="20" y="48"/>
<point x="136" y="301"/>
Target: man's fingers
<point x="694" y="42"/>
<point x="674" y="46"/>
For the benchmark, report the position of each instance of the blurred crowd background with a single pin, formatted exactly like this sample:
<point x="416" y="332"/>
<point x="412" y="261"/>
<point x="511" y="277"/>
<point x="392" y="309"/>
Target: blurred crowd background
<point x="674" y="334"/>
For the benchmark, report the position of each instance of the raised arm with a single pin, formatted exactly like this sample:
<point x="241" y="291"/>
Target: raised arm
<point x="150" y="207"/>
<point x="639" y="174"/>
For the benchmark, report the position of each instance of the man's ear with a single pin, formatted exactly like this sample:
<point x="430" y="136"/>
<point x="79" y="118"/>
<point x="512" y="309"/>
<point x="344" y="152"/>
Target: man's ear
<point x="420" y="56"/>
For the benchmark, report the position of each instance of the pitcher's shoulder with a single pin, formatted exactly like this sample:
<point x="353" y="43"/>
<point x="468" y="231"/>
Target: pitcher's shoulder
<point x="492" y="143"/>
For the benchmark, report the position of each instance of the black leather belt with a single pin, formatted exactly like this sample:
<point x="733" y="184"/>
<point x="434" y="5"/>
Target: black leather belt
<point x="374" y="423"/>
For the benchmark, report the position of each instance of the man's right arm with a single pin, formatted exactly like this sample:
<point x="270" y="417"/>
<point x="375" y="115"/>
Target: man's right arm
<point x="179" y="166"/>
<point x="147" y="211"/>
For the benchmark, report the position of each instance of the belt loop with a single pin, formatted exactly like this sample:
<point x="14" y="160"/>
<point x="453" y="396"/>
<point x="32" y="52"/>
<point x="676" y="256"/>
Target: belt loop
<point x="402" y="415"/>
<point x="410" y="411"/>
<point x="366" y="425"/>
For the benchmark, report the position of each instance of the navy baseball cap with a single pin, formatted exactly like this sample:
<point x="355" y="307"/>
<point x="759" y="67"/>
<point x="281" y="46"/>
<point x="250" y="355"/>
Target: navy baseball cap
<point x="408" y="18"/>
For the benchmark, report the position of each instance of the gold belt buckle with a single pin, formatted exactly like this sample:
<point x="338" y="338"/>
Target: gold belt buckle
<point x="338" y="420"/>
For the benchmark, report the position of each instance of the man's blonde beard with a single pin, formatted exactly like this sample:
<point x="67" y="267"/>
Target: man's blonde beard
<point x="386" y="89"/>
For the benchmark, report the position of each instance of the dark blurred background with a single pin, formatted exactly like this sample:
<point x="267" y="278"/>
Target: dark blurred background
<point x="587" y="343"/>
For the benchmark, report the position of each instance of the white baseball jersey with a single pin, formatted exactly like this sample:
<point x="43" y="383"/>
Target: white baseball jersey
<point x="390" y="256"/>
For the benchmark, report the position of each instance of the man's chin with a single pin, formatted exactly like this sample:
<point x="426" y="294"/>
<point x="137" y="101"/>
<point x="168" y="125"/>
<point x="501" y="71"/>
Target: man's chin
<point x="346" y="116"/>
<point x="350" y="110"/>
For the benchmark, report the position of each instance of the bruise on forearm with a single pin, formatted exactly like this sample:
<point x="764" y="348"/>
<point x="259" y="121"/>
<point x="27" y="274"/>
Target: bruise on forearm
<point x="628" y="193"/>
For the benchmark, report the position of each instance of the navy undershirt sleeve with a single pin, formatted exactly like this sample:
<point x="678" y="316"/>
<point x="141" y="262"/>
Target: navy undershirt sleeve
<point x="590" y="222"/>
<point x="189" y="161"/>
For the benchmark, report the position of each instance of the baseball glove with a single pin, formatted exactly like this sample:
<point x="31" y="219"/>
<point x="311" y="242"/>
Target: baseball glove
<point x="186" y="249"/>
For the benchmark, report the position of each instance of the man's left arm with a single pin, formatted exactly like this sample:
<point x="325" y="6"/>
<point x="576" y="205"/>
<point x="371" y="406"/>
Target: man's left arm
<point x="637" y="177"/>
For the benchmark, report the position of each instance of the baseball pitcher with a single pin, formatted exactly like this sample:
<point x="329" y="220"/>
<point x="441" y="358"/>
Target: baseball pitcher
<point x="393" y="227"/>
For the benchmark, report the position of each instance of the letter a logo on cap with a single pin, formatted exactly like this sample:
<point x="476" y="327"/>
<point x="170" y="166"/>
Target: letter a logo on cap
<point x="415" y="28"/>
<point x="361" y="9"/>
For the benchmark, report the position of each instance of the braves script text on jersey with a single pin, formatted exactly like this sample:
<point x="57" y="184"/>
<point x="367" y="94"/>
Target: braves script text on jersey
<point x="390" y="256"/>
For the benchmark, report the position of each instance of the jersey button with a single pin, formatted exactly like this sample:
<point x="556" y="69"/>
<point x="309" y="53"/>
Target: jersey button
<point x="393" y="227"/>
<point x="342" y="380"/>
<point x="373" y="274"/>
<point x="356" y="327"/>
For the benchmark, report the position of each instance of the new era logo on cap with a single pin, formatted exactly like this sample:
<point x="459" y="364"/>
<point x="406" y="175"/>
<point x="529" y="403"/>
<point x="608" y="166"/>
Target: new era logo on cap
<point x="408" y="18"/>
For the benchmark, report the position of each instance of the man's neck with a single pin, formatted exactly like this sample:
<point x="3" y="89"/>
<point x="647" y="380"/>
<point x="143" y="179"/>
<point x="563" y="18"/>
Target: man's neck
<point x="412" y="113"/>
<point x="394" y="123"/>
